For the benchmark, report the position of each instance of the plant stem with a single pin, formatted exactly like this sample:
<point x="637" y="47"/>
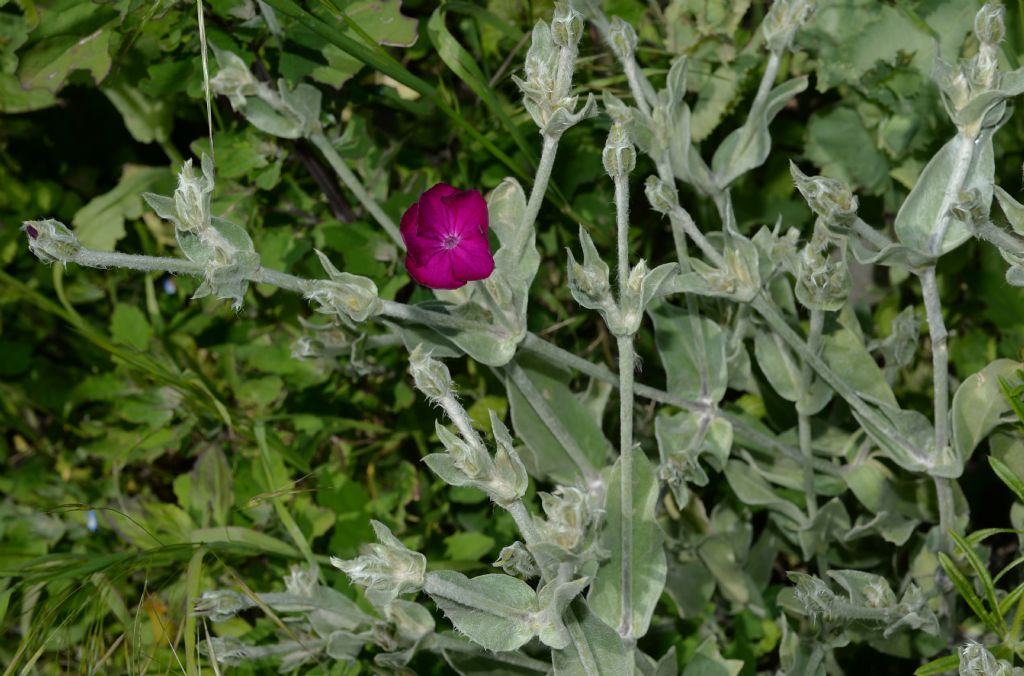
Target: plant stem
<point x="90" y="258"/>
<point x="940" y="380"/>
<point x="353" y="183"/>
<point x="627" y="367"/>
<point x="540" y="183"/>
<point x="524" y="522"/>
<point x="804" y="425"/>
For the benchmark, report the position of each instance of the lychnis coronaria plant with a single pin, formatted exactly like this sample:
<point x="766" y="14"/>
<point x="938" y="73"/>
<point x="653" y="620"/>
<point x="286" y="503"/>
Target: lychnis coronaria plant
<point x="753" y="477"/>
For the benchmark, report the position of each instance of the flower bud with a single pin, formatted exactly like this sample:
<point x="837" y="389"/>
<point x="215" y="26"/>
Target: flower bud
<point x="622" y="38"/>
<point x="51" y="240"/>
<point x="431" y="376"/>
<point x="517" y="560"/>
<point x="783" y="20"/>
<point x="510" y="479"/>
<point x="234" y="79"/>
<point x="589" y="282"/>
<point x="221" y="605"/>
<point x="822" y="283"/>
<point x="830" y="199"/>
<point x="566" y="25"/>
<point x="663" y="198"/>
<point x="344" y="295"/>
<point x="474" y="462"/>
<point x="387" y="569"/>
<point x="619" y="155"/>
<point x="192" y="198"/>
<point x="990" y="23"/>
<point x="568" y="515"/>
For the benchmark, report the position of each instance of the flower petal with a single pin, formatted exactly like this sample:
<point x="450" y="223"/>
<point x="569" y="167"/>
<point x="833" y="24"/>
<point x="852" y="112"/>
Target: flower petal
<point x="434" y="215"/>
<point x="467" y="213"/>
<point x="472" y="259"/>
<point x="435" y="273"/>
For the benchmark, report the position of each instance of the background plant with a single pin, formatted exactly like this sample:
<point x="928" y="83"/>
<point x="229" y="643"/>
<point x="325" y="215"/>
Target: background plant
<point x="226" y="454"/>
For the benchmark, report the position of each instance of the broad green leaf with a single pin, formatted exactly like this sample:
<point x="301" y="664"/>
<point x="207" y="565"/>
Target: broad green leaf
<point x="692" y="351"/>
<point x="647" y="555"/>
<point x="100" y="223"/>
<point x="979" y="406"/>
<point x="919" y="216"/>
<point x="147" y="119"/>
<point x="494" y="611"/>
<point x="14" y="98"/>
<point x="596" y="648"/>
<point x="49" y="62"/>
<point x="562" y="438"/>
<point x="129" y="325"/>
<point x="838" y="142"/>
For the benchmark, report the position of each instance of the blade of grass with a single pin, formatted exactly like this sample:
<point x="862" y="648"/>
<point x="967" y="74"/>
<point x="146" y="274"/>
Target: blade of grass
<point x="192" y="580"/>
<point x="966" y="591"/>
<point x="462" y="63"/>
<point x="939" y="666"/>
<point x="1007" y="476"/>
<point x="283" y="514"/>
<point x="380" y="60"/>
<point x="979" y="568"/>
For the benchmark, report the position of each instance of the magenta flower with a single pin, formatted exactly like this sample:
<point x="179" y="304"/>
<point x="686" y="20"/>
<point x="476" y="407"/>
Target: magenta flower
<point x="446" y="235"/>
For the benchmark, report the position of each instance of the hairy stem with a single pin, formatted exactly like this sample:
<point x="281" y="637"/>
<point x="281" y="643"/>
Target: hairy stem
<point x="540" y="183"/>
<point x="353" y="183"/>
<point x="627" y="366"/>
<point x="940" y="381"/>
<point x="804" y="424"/>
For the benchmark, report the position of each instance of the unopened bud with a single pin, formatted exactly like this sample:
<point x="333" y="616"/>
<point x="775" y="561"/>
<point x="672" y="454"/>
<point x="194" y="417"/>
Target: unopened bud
<point x="663" y="198"/>
<point x="990" y="23"/>
<point x="822" y="283"/>
<point x="782" y="22"/>
<point x="568" y="515"/>
<point x="830" y="199"/>
<point x="517" y="560"/>
<point x="51" y="240"/>
<point x="622" y="38"/>
<point x="431" y="376"/>
<point x="192" y="198"/>
<point x="566" y="25"/>
<point x="619" y="155"/>
<point x="387" y="569"/>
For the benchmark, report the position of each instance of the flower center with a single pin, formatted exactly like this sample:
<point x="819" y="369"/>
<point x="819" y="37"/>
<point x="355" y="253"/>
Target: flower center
<point x="450" y="241"/>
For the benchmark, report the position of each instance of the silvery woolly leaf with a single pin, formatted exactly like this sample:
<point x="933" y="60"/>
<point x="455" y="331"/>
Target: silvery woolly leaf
<point x="919" y="218"/>
<point x="830" y="523"/>
<point x="753" y="490"/>
<point x="979" y="406"/>
<point x="647" y="554"/>
<point x="692" y="350"/>
<point x="683" y="438"/>
<point x="497" y="612"/>
<point x="554" y="598"/>
<point x="1012" y="209"/>
<point x="747" y="148"/>
<point x="552" y="422"/>
<point x="599" y="652"/>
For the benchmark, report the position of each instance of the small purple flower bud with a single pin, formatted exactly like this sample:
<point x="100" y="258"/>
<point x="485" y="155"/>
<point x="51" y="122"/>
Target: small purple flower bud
<point x="32" y="232"/>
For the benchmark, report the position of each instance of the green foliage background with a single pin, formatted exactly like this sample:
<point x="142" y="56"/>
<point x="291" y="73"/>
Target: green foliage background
<point x="122" y="398"/>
